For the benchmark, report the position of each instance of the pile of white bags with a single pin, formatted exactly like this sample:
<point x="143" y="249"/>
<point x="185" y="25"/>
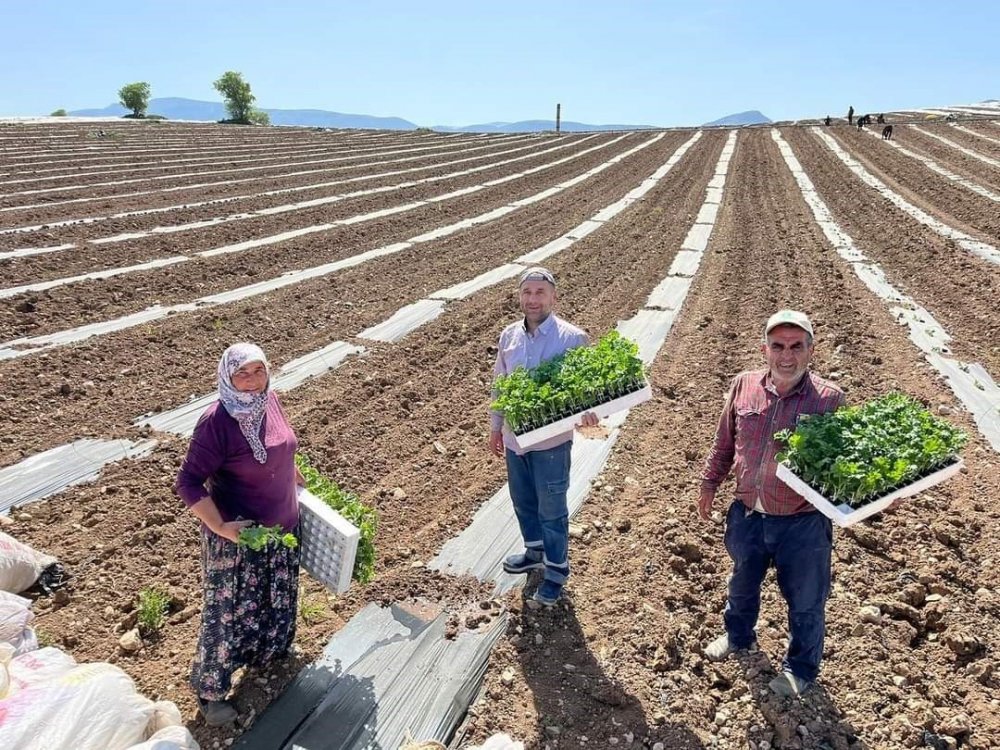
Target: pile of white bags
<point x="50" y="702"/>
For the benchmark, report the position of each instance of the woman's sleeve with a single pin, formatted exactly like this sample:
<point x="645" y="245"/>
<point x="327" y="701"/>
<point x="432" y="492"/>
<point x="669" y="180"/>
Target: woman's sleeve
<point x="205" y="456"/>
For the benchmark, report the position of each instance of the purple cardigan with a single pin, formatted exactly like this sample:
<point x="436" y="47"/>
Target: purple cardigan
<point x="220" y="459"/>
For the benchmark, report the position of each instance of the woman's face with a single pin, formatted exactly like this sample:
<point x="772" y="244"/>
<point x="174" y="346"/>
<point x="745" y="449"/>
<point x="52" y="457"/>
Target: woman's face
<point x="250" y="378"/>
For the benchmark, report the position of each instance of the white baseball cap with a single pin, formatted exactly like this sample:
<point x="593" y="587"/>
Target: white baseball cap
<point x="789" y="318"/>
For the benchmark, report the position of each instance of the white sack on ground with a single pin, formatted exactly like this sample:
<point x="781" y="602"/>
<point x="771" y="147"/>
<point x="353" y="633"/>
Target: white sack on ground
<point x="86" y="706"/>
<point x="20" y="565"/>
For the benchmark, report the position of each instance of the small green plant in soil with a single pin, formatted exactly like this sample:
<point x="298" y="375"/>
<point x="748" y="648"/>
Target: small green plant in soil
<point x="258" y="537"/>
<point x="860" y="453"/>
<point x="152" y="612"/>
<point x="569" y="384"/>
<point x="351" y="508"/>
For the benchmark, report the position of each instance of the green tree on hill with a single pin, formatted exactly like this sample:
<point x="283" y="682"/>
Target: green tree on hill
<point x="135" y="96"/>
<point x="237" y="96"/>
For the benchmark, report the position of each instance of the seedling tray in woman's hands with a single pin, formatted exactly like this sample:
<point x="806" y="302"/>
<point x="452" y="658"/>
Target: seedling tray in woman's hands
<point x="567" y="424"/>
<point x="843" y="514"/>
<point x="329" y="543"/>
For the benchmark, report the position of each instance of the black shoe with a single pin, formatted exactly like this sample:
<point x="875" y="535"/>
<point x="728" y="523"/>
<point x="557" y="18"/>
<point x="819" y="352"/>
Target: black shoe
<point x="521" y="563"/>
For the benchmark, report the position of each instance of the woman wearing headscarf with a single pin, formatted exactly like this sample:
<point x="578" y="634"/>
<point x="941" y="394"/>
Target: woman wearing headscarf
<point x="240" y="471"/>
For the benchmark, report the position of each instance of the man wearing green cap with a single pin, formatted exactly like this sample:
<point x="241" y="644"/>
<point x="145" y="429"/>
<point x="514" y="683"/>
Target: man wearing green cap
<point x="538" y="478"/>
<point x="769" y="524"/>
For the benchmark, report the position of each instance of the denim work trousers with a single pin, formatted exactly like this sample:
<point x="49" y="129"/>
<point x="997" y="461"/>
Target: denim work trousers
<point x="538" y="483"/>
<point x="799" y="548"/>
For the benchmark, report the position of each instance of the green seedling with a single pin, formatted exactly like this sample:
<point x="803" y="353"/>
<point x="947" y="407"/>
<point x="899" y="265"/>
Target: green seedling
<point x="859" y="453"/>
<point x="152" y="613"/>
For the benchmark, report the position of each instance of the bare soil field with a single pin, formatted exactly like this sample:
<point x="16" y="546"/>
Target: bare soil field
<point x="619" y="662"/>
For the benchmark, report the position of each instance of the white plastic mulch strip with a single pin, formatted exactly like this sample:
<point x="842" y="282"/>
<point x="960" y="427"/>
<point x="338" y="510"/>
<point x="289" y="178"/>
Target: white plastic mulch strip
<point x="958" y="147"/>
<point x="386" y="675"/>
<point x="976" y="133"/>
<point x="44" y="474"/>
<point x="27" y="251"/>
<point x="156" y="178"/>
<point x="41" y="286"/>
<point x="284" y="236"/>
<point x="971" y="383"/>
<point x="407" y="319"/>
<point x="293" y="189"/>
<point x="25" y="346"/>
<point x="493" y="534"/>
<point x="935" y="167"/>
<point x="981" y="249"/>
<point x="254" y="179"/>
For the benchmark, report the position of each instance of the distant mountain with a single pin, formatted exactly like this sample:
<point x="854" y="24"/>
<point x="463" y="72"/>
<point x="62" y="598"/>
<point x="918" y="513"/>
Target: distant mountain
<point x="176" y="108"/>
<point x="534" y="126"/>
<point x="751" y="117"/>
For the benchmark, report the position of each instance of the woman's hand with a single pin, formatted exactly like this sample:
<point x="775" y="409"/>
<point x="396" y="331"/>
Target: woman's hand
<point x="299" y="479"/>
<point x="231" y="529"/>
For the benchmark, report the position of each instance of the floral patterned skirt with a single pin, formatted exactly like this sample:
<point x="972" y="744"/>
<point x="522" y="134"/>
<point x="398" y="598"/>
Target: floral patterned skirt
<point x="248" y="617"/>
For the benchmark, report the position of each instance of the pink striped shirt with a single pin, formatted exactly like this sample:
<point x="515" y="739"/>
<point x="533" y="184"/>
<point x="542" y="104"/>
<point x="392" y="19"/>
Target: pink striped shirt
<point x="744" y="440"/>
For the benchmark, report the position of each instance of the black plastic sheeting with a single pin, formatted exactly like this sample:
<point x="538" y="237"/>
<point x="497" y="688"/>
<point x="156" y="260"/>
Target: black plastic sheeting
<point x="386" y="673"/>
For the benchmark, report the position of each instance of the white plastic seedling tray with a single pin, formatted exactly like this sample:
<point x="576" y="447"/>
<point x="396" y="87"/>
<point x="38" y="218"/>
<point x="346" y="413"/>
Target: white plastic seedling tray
<point x="328" y="543"/>
<point x="843" y="514"/>
<point x="528" y="439"/>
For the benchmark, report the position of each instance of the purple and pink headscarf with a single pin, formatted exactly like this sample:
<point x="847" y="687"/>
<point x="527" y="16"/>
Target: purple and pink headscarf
<point x="246" y="408"/>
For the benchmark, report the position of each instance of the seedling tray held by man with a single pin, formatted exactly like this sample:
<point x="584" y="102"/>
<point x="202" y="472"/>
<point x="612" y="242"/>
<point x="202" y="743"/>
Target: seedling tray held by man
<point x="859" y="460"/>
<point x="547" y="400"/>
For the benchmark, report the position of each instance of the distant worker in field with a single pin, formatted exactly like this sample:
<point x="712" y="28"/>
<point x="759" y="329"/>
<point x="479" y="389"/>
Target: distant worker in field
<point x="768" y="524"/>
<point x="880" y="119"/>
<point x="887" y="133"/>
<point x="850" y="115"/>
<point x="538" y="477"/>
<point x="861" y="123"/>
<point x="826" y="120"/>
<point x="240" y="471"/>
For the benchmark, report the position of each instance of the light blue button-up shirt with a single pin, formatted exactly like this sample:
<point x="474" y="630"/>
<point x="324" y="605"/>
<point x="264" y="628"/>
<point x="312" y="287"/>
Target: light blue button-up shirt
<point x="518" y="348"/>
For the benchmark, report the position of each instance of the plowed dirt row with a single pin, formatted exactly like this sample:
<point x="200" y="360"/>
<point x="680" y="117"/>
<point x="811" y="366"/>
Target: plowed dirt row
<point x="26" y="143"/>
<point x="648" y="583"/>
<point x="25" y="165"/>
<point x="119" y="198"/>
<point x="987" y="127"/>
<point x="975" y="143"/>
<point x="141" y="165"/>
<point x="51" y="190"/>
<point x="347" y="180"/>
<point x="94" y="301"/>
<point x="957" y="288"/>
<point x="952" y="204"/>
<point x="953" y="159"/>
<point x="371" y="425"/>
<point x="289" y="322"/>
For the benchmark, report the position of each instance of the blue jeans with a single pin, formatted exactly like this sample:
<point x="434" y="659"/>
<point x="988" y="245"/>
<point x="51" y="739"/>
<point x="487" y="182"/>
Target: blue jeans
<point x="538" y="483"/>
<point x="799" y="547"/>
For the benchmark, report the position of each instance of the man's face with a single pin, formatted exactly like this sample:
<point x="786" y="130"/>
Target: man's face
<point x="537" y="299"/>
<point x="788" y="353"/>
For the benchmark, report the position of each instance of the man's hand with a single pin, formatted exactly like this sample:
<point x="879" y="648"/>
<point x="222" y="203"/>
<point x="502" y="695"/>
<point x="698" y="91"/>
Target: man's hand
<point x="589" y="419"/>
<point x="231" y="529"/>
<point x="705" y="503"/>
<point x="496" y="443"/>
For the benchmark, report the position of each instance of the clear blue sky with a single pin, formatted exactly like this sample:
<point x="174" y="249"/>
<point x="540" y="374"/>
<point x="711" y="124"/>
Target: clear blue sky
<point x="455" y="63"/>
